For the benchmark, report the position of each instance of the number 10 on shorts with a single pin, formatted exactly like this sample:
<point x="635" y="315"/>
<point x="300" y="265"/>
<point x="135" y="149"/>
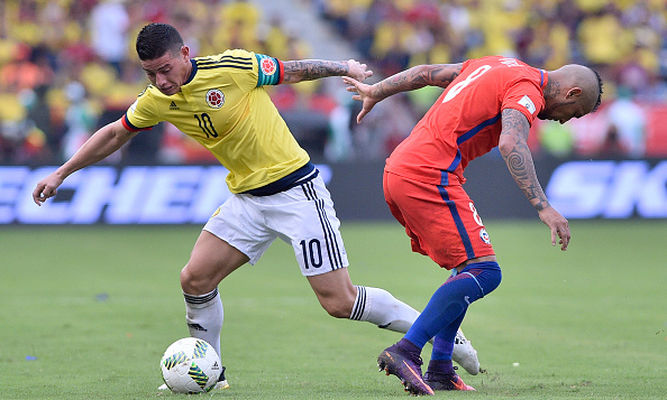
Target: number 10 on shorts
<point x="312" y="253"/>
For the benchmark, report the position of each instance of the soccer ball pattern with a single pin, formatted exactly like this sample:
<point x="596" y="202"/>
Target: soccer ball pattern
<point x="190" y="365"/>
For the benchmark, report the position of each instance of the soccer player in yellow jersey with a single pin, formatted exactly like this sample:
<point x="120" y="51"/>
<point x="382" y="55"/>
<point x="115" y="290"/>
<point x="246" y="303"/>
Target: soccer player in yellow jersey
<point x="220" y="101"/>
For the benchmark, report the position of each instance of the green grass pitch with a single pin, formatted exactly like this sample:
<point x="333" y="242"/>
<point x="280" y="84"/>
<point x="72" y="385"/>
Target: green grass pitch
<point x="87" y="312"/>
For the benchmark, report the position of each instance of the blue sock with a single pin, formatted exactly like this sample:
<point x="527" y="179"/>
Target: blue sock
<point x="447" y="307"/>
<point x="443" y="342"/>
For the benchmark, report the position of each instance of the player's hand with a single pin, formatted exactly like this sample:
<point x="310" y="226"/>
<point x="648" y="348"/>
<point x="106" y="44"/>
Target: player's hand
<point x="357" y="70"/>
<point x="363" y="94"/>
<point x="46" y="188"/>
<point x="560" y="231"/>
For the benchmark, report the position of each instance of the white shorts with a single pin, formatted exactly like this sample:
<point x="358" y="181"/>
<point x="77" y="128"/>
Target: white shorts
<point x="302" y="216"/>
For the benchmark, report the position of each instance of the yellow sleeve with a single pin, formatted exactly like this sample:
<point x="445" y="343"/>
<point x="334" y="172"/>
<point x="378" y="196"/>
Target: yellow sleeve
<point x="142" y="114"/>
<point x="245" y="71"/>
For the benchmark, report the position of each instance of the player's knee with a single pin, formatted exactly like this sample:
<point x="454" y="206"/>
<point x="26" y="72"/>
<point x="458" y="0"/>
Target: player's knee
<point x="337" y="309"/>
<point x="187" y="279"/>
<point x="488" y="275"/>
<point x="338" y="303"/>
<point x="193" y="283"/>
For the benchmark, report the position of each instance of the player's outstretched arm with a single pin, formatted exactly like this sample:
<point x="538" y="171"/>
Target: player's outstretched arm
<point x="307" y="70"/>
<point x="514" y="148"/>
<point x="414" y="78"/>
<point x="105" y="141"/>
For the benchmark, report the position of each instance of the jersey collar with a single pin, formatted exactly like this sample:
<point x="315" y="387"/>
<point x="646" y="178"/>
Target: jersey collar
<point x="192" y="73"/>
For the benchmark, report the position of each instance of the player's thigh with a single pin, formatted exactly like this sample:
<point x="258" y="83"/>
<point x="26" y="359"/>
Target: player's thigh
<point x="307" y="221"/>
<point x="241" y="224"/>
<point x="211" y="260"/>
<point x="441" y="220"/>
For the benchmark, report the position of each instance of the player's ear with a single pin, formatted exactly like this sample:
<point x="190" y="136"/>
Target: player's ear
<point x="574" y="92"/>
<point x="185" y="52"/>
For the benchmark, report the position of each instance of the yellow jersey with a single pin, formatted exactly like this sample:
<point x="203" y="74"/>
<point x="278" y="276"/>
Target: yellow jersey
<point x="224" y="106"/>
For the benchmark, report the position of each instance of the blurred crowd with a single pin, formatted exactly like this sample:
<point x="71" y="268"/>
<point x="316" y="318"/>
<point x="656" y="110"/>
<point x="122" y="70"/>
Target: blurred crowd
<point x="624" y="40"/>
<point x="68" y="67"/>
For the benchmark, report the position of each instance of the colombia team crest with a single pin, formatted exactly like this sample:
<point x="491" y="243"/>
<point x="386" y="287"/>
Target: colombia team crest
<point x="268" y="66"/>
<point x="215" y="98"/>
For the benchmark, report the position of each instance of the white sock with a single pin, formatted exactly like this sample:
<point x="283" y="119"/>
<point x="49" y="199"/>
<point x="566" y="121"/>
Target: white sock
<point x="204" y="315"/>
<point x="379" y="307"/>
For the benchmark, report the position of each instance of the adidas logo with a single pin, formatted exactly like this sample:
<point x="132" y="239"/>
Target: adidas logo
<point x="198" y="327"/>
<point x="215" y="365"/>
<point x="173" y="106"/>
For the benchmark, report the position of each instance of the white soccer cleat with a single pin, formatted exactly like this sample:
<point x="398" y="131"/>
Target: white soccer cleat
<point x="221" y="385"/>
<point x="464" y="354"/>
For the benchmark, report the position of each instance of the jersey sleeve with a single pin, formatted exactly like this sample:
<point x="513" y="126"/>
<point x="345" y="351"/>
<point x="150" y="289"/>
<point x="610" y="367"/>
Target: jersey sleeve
<point x="141" y="115"/>
<point x="526" y="97"/>
<point x="270" y="70"/>
<point x="250" y="70"/>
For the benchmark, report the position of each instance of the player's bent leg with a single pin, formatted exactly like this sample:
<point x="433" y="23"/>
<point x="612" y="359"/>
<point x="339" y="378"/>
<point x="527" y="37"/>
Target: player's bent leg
<point x="335" y="292"/>
<point x="472" y="283"/>
<point x="339" y="298"/>
<point x="464" y="354"/>
<point x="342" y="299"/>
<point x="211" y="260"/>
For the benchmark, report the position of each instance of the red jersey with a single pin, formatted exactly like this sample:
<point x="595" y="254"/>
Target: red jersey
<point x="465" y="121"/>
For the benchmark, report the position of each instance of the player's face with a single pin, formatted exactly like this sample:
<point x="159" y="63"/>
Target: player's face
<point x="168" y="72"/>
<point x="563" y="112"/>
<point x="573" y="105"/>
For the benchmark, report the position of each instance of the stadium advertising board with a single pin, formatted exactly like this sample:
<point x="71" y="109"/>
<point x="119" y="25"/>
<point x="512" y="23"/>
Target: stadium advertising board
<point x="190" y="194"/>
<point x="609" y="189"/>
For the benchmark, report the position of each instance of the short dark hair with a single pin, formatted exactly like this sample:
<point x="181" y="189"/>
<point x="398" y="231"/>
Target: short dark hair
<point x="599" y="100"/>
<point x="155" y="39"/>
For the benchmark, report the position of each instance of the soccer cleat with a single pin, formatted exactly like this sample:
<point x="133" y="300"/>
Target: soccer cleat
<point x="221" y="384"/>
<point x="464" y="354"/>
<point x="406" y="368"/>
<point x="445" y="381"/>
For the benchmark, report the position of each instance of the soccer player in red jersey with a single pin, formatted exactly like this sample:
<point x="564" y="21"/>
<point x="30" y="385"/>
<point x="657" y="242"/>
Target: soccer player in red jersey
<point x="487" y="102"/>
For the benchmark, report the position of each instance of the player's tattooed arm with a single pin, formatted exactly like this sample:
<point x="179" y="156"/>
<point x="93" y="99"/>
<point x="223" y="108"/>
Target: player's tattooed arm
<point x="515" y="151"/>
<point x="414" y="78"/>
<point x="307" y="70"/>
<point x="417" y="77"/>
<point x="514" y="148"/>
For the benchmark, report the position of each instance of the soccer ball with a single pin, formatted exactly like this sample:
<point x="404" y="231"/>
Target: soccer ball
<point x="190" y="365"/>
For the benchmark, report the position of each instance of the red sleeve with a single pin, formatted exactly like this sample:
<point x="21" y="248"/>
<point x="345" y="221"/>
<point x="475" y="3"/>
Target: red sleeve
<point x="526" y="97"/>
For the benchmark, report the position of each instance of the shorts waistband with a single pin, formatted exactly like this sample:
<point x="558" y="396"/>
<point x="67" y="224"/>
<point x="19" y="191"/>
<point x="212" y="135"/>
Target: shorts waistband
<point x="301" y="175"/>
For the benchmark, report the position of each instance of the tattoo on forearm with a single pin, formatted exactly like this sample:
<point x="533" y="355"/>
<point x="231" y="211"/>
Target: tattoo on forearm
<point x="306" y="70"/>
<point x="418" y="77"/>
<point x="519" y="159"/>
